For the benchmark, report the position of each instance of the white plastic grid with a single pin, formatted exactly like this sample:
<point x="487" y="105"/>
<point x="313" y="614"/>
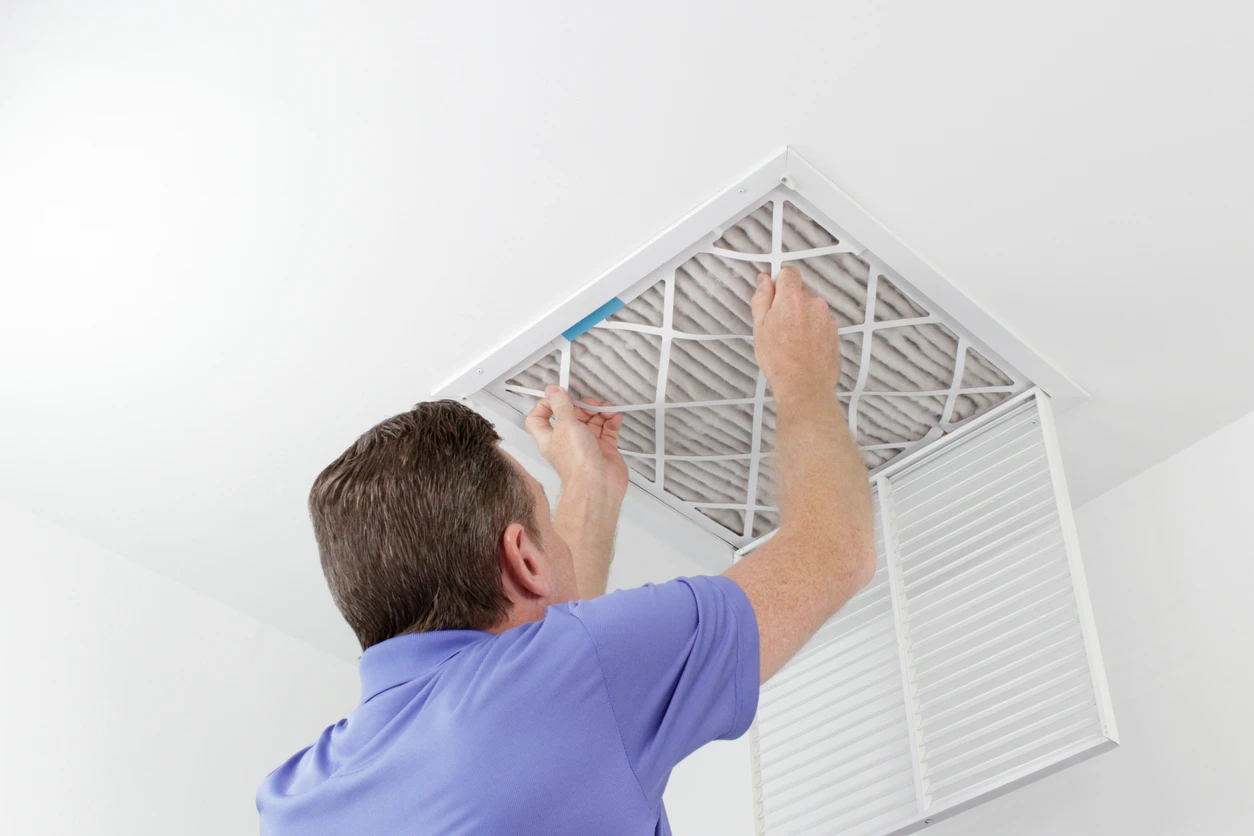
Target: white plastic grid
<point x="910" y="373"/>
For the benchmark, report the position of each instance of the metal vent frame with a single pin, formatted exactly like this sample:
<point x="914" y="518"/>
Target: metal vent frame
<point x="710" y="454"/>
<point x="785" y="178"/>
<point x="687" y="235"/>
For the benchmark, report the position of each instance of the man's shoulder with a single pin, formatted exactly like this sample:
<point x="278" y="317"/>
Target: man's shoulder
<point x="642" y="610"/>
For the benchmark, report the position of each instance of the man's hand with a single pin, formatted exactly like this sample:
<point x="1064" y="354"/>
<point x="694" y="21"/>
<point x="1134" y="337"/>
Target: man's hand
<point x="794" y="336"/>
<point x="581" y="445"/>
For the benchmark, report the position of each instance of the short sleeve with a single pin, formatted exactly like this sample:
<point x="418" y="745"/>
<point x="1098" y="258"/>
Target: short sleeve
<point x="680" y="661"/>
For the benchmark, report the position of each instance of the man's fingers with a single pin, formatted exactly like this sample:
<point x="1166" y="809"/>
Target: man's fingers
<point x="596" y="419"/>
<point x="762" y="298"/>
<point x="788" y="280"/>
<point x="561" y="404"/>
<point x="538" y="421"/>
<point x="613" y="422"/>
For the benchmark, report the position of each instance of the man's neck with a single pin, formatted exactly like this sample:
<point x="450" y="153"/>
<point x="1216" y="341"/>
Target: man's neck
<point x="518" y="615"/>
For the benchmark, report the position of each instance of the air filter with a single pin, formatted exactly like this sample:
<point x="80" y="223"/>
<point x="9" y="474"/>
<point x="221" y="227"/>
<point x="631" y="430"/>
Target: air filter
<point x="674" y="353"/>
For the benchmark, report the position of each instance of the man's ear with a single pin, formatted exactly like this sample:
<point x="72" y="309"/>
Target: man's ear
<point x="522" y="565"/>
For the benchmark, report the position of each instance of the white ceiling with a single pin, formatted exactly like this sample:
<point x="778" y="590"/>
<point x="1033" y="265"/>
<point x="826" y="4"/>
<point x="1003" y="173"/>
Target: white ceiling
<point x="233" y="237"/>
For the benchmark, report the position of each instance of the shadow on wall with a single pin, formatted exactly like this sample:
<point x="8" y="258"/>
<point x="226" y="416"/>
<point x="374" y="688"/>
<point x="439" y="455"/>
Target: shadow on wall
<point x="145" y="707"/>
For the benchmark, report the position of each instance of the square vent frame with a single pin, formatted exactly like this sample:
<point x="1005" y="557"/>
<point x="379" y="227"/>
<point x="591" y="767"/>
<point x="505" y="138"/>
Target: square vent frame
<point x="785" y="177"/>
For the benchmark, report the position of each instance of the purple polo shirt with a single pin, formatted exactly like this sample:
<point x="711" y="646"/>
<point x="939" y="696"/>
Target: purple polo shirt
<point x="568" y="725"/>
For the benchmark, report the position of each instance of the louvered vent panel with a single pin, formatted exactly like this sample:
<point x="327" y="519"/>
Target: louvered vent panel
<point x="967" y="666"/>
<point x="996" y="646"/>
<point x="833" y="747"/>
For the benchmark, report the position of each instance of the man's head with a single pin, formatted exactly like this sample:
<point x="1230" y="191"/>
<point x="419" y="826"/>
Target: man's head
<point x="426" y="524"/>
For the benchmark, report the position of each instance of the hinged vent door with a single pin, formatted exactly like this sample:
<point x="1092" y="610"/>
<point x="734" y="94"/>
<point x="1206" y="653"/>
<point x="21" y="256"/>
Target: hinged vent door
<point x="968" y="665"/>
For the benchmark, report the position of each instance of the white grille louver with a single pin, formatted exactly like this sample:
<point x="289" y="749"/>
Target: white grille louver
<point x="833" y="743"/>
<point x="967" y="665"/>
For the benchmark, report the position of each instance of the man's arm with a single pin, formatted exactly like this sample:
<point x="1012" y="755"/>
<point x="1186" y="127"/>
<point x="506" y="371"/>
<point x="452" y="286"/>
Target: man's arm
<point x="583" y="447"/>
<point x="824" y="551"/>
<point x="586" y="517"/>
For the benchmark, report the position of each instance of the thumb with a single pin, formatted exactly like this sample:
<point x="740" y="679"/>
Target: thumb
<point x="537" y="422"/>
<point x="560" y="402"/>
<point x="762" y="299"/>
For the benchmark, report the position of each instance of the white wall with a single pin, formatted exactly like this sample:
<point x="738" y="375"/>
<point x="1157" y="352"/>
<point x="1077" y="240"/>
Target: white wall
<point x="1170" y="560"/>
<point x="133" y="705"/>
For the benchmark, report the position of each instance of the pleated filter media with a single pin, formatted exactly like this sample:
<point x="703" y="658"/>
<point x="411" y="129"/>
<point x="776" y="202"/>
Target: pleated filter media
<point x="675" y="356"/>
<point x="968" y="665"/>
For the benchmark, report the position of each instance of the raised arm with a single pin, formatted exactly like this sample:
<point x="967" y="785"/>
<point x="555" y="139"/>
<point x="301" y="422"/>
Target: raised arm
<point x="582" y="446"/>
<point x="824" y="551"/>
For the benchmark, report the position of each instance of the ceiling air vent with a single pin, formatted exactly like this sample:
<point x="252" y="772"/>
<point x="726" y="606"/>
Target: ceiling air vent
<point x="667" y="336"/>
<point x="699" y="420"/>
<point x="969" y="665"/>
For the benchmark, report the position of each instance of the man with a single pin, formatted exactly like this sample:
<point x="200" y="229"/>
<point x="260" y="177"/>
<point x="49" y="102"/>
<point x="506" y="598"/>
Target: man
<point x="502" y="691"/>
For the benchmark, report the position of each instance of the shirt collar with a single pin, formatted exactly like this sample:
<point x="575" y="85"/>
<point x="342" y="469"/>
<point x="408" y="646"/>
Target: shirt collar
<point x="402" y="658"/>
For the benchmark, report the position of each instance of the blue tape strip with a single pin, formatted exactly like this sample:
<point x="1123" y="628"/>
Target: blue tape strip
<point x="608" y="309"/>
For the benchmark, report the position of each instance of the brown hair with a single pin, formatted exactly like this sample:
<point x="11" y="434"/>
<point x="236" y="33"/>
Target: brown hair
<point x="409" y="522"/>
